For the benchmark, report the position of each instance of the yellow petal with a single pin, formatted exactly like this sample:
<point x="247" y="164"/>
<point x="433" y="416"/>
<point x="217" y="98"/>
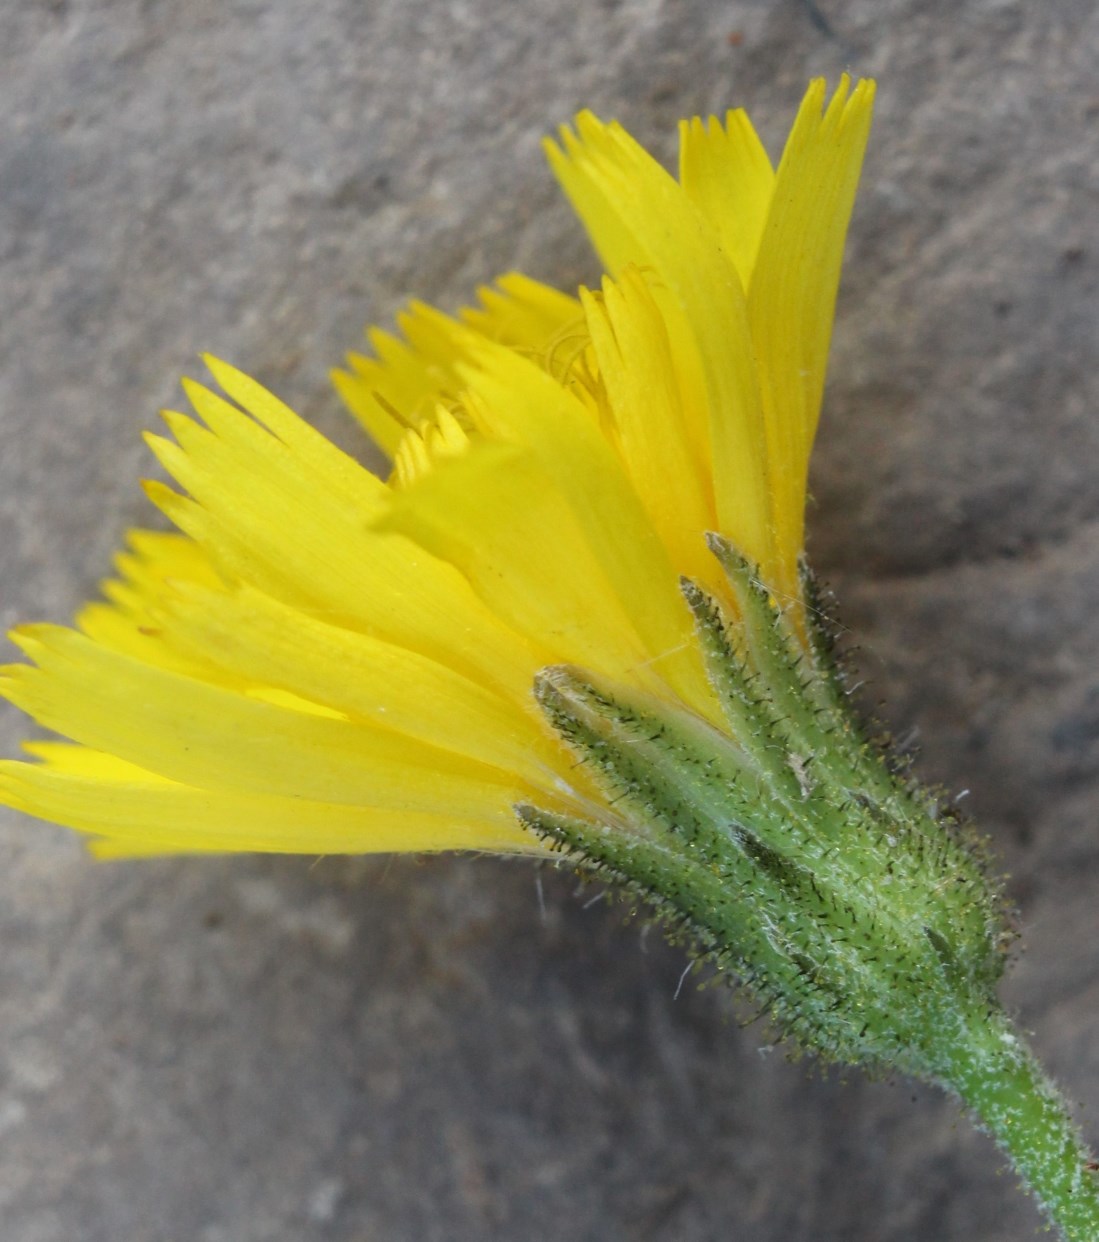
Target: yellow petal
<point x="637" y="213"/>
<point x="524" y="406"/>
<point x="497" y="516"/>
<point x="204" y="735"/>
<point x="792" y="296"/>
<point x="392" y="391"/>
<point x="726" y="173"/>
<point x="113" y="628"/>
<point x="262" y="523"/>
<point x="252" y="636"/>
<point x="298" y="470"/>
<point x="314" y="454"/>
<point x="653" y="434"/>
<point x="422" y="448"/>
<point x="132" y="622"/>
<point x="131" y="813"/>
<point x="400" y="387"/>
<point x="159" y="556"/>
<point x="524" y="314"/>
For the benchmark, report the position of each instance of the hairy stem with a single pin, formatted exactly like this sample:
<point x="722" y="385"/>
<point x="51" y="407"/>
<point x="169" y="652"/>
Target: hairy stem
<point x="999" y="1079"/>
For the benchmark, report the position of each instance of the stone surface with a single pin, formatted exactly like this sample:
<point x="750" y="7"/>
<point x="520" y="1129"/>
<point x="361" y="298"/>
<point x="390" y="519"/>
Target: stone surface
<point x="250" y="1050"/>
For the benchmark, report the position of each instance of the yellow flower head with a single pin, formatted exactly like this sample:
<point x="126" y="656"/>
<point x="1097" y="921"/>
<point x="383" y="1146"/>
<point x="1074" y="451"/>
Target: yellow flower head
<point x="321" y="661"/>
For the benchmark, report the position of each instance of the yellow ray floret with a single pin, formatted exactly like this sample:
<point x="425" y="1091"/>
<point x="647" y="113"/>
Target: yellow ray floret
<point x="638" y="214"/>
<point x="792" y="294"/>
<point x="725" y="171"/>
<point x="129" y="812"/>
<point x="319" y="660"/>
<point x="648" y="423"/>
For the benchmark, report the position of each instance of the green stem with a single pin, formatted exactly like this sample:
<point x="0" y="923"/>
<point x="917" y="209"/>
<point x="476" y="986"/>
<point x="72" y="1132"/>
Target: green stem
<point x="1000" y="1080"/>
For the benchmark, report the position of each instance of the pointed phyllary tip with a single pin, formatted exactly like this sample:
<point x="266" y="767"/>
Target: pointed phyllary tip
<point x="572" y="699"/>
<point x="730" y="557"/>
<point x="555" y="684"/>
<point x="556" y="674"/>
<point x="718" y="544"/>
<point x="700" y="604"/>
<point x="566" y="688"/>
<point x="690" y="590"/>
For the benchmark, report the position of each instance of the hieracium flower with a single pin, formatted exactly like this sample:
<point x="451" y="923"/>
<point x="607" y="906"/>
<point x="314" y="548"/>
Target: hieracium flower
<point x="574" y="621"/>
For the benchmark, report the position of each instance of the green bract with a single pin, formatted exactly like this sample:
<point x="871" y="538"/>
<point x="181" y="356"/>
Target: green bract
<point x="856" y="911"/>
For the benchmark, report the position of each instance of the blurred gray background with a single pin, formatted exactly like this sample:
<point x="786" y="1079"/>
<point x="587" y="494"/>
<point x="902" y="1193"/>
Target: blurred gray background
<point x="254" y="1049"/>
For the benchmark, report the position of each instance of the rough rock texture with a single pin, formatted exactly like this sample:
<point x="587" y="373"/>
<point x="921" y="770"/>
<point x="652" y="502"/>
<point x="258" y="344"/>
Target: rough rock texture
<point x="251" y="1050"/>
